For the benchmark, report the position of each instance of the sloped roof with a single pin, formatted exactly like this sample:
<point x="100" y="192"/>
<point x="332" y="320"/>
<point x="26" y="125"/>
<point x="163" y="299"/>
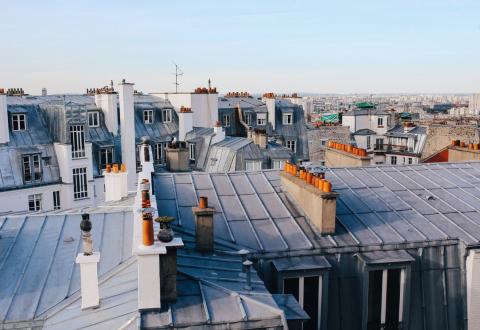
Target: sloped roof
<point x="399" y="130"/>
<point x="378" y="206"/>
<point x="37" y="259"/>
<point x="364" y="131"/>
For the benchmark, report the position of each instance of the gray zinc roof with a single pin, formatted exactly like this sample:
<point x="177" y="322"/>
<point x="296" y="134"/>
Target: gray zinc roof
<point x="377" y="207"/>
<point x="37" y="259"/>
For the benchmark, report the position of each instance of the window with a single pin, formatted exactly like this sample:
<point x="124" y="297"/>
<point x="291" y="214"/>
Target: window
<point x="31" y="168"/>
<point x="385" y="298"/>
<point x="248" y="118"/>
<point x="380" y="121"/>
<point x="56" y="200"/>
<point x="253" y="165"/>
<point x="226" y="120"/>
<point x="308" y="292"/>
<point x="35" y="202"/>
<point x="261" y="119"/>
<point x="287" y="118"/>
<point x="368" y="141"/>
<point x="19" y="122"/>
<point x="278" y="163"/>
<point x="379" y="144"/>
<point x="77" y="139"/>
<point x="160" y="153"/>
<point x="291" y="144"/>
<point x="393" y="160"/>
<point x="105" y="157"/>
<point x="410" y="160"/>
<point x="191" y="149"/>
<point x="148" y="116"/>
<point x="323" y="142"/>
<point x="80" y="183"/>
<point x="94" y="119"/>
<point x="167" y="115"/>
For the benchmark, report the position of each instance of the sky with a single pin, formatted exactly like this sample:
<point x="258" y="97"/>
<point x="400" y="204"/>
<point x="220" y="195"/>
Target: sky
<point x="384" y="46"/>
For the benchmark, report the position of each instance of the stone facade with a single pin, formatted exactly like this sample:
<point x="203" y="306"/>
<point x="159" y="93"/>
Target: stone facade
<point x="318" y="137"/>
<point x="439" y="137"/>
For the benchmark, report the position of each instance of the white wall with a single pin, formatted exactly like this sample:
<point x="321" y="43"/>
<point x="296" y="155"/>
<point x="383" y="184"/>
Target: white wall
<point x="127" y="127"/>
<point x="109" y="103"/>
<point x="4" y="132"/>
<point x="66" y="165"/>
<point x="17" y="200"/>
<point x="185" y="124"/>
<point x="270" y="103"/>
<point x="474" y="103"/>
<point x="204" y="106"/>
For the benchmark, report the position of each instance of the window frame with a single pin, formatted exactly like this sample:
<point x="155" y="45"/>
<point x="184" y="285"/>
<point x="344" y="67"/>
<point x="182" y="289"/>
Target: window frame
<point x="93" y="118"/>
<point x="32" y="159"/>
<point x="287" y="119"/>
<point x="292" y="145"/>
<point x="403" y="299"/>
<point x="16" y="121"/>
<point x="254" y="164"/>
<point x="80" y="183"/>
<point x="37" y="202"/>
<point x="280" y="163"/>
<point x="56" y="200"/>
<point x="159" y="157"/>
<point x="261" y="119"/>
<point x="369" y="142"/>
<point x="77" y="140"/>
<point x="191" y="151"/>
<point x="148" y="116"/>
<point x="393" y="160"/>
<point x="226" y="121"/>
<point x="105" y="152"/>
<point x="380" y="122"/>
<point x="167" y="115"/>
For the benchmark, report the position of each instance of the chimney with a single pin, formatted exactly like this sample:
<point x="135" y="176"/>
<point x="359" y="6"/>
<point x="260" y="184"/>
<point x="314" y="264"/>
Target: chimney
<point x="219" y="133"/>
<point x="4" y="131"/>
<point x="127" y="129"/>
<point x="259" y="137"/>
<point x="156" y="256"/>
<point x="108" y="102"/>
<point x="185" y="122"/>
<point x="178" y="159"/>
<point x="88" y="261"/>
<point x="313" y="194"/>
<point x="203" y="225"/>
<point x="270" y="103"/>
<point x="116" y="185"/>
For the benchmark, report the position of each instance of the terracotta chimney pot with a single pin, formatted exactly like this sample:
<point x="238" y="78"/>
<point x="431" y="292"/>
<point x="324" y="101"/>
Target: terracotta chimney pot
<point x="203" y="202"/>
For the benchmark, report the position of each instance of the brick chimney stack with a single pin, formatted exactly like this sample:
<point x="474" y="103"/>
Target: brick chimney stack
<point x="204" y="225"/>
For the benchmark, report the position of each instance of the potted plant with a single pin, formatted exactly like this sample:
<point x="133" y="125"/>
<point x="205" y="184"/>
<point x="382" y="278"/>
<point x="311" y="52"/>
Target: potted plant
<point x="165" y="233"/>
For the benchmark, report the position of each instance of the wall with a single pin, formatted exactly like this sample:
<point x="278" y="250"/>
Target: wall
<point x="204" y="106"/>
<point x="17" y="200"/>
<point x="337" y="158"/>
<point x="457" y="154"/>
<point x="324" y="133"/>
<point x="438" y="137"/>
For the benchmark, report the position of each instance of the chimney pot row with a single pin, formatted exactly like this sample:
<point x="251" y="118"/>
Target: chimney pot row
<point x="315" y="179"/>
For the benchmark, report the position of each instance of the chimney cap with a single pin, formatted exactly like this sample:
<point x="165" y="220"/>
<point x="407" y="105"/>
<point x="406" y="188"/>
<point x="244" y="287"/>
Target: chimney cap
<point x="243" y="252"/>
<point x="86" y="224"/>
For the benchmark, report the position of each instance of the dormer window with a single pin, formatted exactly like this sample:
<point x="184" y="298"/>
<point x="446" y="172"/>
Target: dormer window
<point x="32" y="171"/>
<point x="261" y="119"/>
<point x="287" y="118"/>
<point x="148" y="116"/>
<point x="167" y="115"/>
<point x="94" y="119"/>
<point x="19" y="122"/>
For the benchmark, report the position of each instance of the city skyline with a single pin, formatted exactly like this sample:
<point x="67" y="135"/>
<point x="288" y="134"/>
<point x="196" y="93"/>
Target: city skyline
<point x="309" y="47"/>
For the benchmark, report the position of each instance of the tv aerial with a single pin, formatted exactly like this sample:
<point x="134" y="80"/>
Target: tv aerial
<point x="178" y="73"/>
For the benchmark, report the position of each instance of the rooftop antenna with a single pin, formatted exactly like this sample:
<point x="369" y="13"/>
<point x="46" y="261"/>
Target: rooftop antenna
<point x="178" y="73"/>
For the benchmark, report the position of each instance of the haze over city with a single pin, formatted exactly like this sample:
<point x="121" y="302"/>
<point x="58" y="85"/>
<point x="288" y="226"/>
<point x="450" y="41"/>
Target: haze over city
<point x="280" y="46"/>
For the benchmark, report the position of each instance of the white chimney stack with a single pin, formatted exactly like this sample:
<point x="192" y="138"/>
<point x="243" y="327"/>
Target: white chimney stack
<point x="270" y="103"/>
<point x="185" y="122"/>
<point x="219" y="133"/>
<point x="88" y="261"/>
<point x="127" y="129"/>
<point x="4" y="132"/>
<point x="108" y="102"/>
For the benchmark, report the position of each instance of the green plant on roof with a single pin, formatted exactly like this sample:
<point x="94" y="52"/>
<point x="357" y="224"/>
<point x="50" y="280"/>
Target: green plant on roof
<point x="164" y="219"/>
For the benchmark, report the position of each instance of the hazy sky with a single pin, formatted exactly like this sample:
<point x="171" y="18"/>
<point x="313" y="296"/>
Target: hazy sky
<point x="257" y="46"/>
